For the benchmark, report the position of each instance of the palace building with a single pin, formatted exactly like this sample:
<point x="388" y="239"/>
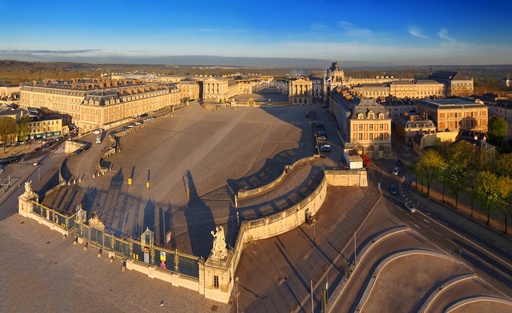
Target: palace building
<point x="452" y="115"/>
<point x="94" y="103"/>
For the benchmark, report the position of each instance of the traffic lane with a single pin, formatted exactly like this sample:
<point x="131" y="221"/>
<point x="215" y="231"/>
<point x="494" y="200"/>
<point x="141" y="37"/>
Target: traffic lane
<point x="488" y="255"/>
<point x="355" y="287"/>
<point x="466" y="288"/>
<point x="470" y="234"/>
<point x="450" y="241"/>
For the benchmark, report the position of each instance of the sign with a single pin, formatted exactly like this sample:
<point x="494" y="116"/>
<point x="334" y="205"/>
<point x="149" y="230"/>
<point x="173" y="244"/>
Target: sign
<point x="163" y="258"/>
<point x="168" y="237"/>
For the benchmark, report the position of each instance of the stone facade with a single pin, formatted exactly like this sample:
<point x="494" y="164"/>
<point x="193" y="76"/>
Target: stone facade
<point x="93" y="103"/>
<point x="452" y="115"/>
<point x="456" y="83"/>
<point x="370" y="130"/>
<point x="45" y="128"/>
<point x="409" y="126"/>
<point x="300" y="91"/>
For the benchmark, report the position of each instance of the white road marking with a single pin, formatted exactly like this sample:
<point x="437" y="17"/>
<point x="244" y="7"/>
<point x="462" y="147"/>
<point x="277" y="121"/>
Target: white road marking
<point x="436" y="232"/>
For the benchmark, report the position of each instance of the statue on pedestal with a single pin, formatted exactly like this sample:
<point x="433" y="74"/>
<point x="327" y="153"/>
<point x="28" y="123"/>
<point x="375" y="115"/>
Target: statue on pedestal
<point x="219" y="250"/>
<point x="29" y="193"/>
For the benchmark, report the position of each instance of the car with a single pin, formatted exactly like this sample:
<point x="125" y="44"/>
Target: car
<point x="37" y="149"/>
<point x="398" y="162"/>
<point x="410" y="207"/>
<point x="393" y="190"/>
<point x="325" y="148"/>
<point x="322" y="137"/>
<point x="124" y="129"/>
<point x="36" y="162"/>
<point x="396" y="171"/>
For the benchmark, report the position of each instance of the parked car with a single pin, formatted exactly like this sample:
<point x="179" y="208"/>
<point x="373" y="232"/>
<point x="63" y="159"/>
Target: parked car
<point x="37" y="162"/>
<point x="325" y="148"/>
<point x="410" y="207"/>
<point x="321" y="137"/>
<point x="396" y="171"/>
<point x="37" y="149"/>
<point x="398" y="162"/>
<point x="393" y="190"/>
<point x="123" y="129"/>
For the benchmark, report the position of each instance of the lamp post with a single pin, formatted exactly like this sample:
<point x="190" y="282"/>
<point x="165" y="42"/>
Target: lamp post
<point x="355" y="247"/>
<point x="237" y="294"/>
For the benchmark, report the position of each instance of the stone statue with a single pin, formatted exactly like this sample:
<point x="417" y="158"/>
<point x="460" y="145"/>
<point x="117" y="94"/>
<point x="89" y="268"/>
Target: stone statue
<point x="29" y="193"/>
<point x="28" y="187"/>
<point x="219" y="250"/>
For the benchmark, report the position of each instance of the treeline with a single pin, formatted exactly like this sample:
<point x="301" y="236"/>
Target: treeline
<point x="486" y="78"/>
<point x="463" y="169"/>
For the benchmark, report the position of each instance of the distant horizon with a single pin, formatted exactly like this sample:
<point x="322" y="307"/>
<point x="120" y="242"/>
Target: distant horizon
<point x="257" y="62"/>
<point x="371" y="32"/>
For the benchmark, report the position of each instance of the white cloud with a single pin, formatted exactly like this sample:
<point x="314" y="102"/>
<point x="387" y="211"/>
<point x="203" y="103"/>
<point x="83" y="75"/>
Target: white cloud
<point x="443" y="34"/>
<point x="351" y="29"/>
<point x="416" y="32"/>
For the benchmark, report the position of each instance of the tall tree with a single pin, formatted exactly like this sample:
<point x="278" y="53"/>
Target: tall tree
<point x="7" y="129"/>
<point x="505" y="193"/>
<point x="429" y="166"/>
<point x="497" y="128"/>
<point x="23" y="124"/>
<point x="503" y="165"/>
<point x="460" y="159"/>
<point x="487" y="191"/>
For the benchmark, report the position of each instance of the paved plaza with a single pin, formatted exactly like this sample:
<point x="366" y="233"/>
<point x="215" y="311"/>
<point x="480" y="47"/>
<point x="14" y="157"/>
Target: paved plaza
<point x="194" y="161"/>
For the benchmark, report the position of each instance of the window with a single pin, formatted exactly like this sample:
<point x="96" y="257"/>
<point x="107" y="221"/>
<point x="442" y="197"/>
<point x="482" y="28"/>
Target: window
<point x="216" y="281"/>
<point x="360" y="136"/>
<point x="360" y="126"/>
<point x="371" y="136"/>
<point x="371" y="126"/>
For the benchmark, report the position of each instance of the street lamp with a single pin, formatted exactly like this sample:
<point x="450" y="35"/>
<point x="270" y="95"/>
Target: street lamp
<point x="237" y="293"/>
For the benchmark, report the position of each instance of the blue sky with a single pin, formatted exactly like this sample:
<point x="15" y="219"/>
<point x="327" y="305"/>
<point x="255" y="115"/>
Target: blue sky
<point x="385" y="32"/>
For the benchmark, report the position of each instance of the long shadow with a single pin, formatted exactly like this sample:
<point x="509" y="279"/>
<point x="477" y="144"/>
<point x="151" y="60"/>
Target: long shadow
<point x="164" y="225"/>
<point x="200" y="221"/>
<point x="430" y="292"/>
<point x="328" y="259"/>
<point x="49" y="184"/>
<point x="291" y="198"/>
<point x="274" y="166"/>
<point x="149" y="216"/>
<point x="65" y="172"/>
<point x="478" y="262"/>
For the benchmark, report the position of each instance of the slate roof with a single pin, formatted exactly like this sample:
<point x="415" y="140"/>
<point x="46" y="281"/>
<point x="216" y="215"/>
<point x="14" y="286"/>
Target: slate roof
<point x="448" y="75"/>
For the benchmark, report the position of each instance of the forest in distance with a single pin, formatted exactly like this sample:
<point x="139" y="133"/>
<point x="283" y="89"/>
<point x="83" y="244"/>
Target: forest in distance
<point x="487" y="78"/>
